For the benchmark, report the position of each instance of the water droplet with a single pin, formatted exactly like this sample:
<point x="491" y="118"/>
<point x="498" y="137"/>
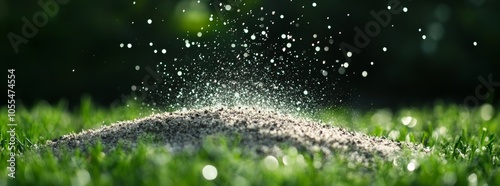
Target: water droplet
<point x="164" y="51"/>
<point x="73" y="70"/>
<point x="424" y="37"/>
<point x="364" y="73"/>
<point x="122" y="45"/>
<point x="150" y="43"/>
<point x="228" y="7"/>
<point x="306" y="92"/>
<point x="384" y="49"/>
<point x="405" y="9"/>
<point x="253" y="37"/>
<point x="150" y="21"/>
<point x="349" y="54"/>
<point x="179" y="73"/>
<point x="289" y="45"/>
<point x="475" y="43"/>
<point x="209" y="172"/>
<point x="133" y="88"/>
<point x="137" y="67"/>
<point x="199" y="34"/>
<point x="314" y="4"/>
<point x="129" y="45"/>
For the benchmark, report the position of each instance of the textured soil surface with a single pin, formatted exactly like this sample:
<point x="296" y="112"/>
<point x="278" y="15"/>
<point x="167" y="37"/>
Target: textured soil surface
<point x="259" y="130"/>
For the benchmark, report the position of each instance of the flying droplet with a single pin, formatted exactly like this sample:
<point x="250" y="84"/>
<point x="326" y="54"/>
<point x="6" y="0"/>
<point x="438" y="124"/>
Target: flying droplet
<point x="364" y="73"/>
<point x="475" y="43"/>
<point x="384" y="49"/>
<point x="150" y="21"/>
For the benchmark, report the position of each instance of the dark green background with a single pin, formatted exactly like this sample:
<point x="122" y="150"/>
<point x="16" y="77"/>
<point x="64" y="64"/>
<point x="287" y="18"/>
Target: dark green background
<point x="85" y="36"/>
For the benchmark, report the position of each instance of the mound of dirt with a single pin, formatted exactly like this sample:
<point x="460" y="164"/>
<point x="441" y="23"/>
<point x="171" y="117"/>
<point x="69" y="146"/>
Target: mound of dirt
<point x="259" y="130"/>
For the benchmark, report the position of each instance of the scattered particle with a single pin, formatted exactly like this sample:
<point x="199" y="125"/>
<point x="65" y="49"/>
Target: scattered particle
<point x="209" y="172"/>
<point x="137" y="67"/>
<point x="475" y="43"/>
<point x="150" y="21"/>
<point x="271" y="163"/>
<point x="129" y="45"/>
<point x="349" y="54"/>
<point x="384" y="49"/>
<point x="364" y="73"/>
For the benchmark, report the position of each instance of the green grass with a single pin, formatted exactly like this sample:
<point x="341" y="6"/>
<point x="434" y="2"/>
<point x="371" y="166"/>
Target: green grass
<point x="464" y="147"/>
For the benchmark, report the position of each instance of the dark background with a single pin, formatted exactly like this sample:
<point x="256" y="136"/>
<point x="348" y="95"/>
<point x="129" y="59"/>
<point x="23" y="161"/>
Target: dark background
<point x="84" y="36"/>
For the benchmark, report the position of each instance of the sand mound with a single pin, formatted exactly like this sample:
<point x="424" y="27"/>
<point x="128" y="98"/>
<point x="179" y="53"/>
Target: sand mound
<point x="260" y="130"/>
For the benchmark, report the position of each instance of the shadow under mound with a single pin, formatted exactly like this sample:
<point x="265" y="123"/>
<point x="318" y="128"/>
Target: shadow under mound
<point x="261" y="131"/>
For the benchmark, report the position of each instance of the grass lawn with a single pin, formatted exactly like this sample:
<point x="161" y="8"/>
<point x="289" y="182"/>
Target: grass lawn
<point x="463" y="143"/>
